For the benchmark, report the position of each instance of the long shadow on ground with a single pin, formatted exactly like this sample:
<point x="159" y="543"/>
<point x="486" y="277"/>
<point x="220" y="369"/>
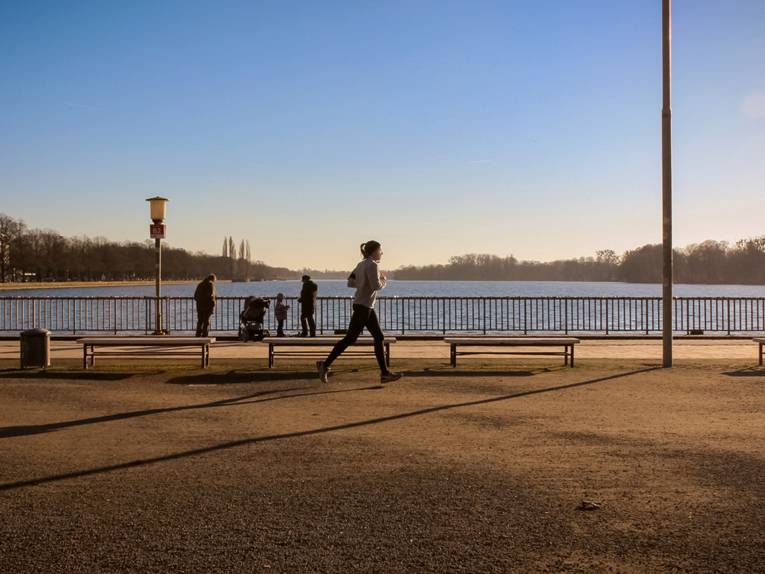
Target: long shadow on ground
<point x="747" y="372"/>
<point x="238" y="377"/>
<point x="474" y="373"/>
<point x="312" y="432"/>
<point x="24" y="430"/>
<point x="63" y="375"/>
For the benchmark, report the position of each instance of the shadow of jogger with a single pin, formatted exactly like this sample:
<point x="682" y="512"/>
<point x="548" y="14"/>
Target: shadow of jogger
<point x="311" y="432"/>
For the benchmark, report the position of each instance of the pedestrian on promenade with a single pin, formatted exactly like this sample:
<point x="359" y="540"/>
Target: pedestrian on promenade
<point x="367" y="280"/>
<point x="205" y="298"/>
<point x="307" y="301"/>
<point x="281" y="314"/>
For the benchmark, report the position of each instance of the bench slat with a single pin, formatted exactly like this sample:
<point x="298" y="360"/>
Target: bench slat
<point x="516" y="341"/>
<point x="147" y="341"/>
<point x="318" y="341"/>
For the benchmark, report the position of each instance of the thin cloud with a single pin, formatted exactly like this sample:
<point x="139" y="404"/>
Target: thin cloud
<point x="479" y="161"/>
<point x="754" y="106"/>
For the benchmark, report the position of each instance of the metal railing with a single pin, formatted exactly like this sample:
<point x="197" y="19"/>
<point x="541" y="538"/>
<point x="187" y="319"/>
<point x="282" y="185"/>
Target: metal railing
<point x="399" y="315"/>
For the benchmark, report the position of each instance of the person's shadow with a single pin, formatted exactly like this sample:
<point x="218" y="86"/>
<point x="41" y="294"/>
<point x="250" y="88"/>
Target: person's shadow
<point x="303" y="433"/>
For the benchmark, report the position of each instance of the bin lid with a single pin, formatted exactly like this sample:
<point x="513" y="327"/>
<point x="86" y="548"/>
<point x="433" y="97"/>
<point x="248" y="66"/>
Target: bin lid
<point x="35" y="332"/>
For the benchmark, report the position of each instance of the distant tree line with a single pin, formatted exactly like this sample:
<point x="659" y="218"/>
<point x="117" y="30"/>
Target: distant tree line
<point x="708" y="262"/>
<point x="43" y="255"/>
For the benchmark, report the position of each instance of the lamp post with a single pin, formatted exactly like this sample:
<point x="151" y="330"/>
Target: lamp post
<point x="158" y="208"/>
<point x="666" y="182"/>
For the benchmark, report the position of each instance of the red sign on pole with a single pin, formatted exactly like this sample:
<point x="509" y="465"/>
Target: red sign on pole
<point x="157" y="231"/>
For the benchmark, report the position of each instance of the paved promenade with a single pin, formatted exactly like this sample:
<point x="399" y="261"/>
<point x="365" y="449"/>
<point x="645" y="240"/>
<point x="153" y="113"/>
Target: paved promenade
<point x="438" y="352"/>
<point x="147" y="468"/>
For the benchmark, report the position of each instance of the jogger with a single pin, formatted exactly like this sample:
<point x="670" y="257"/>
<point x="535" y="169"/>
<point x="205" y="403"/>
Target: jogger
<point x="367" y="280"/>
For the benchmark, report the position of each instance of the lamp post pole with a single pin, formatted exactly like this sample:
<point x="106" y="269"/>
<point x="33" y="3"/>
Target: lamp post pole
<point x="158" y="207"/>
<point x="666" y="182"/>
<point x="158" y="286"/>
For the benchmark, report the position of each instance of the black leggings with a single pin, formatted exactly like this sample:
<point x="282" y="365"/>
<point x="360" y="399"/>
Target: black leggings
<point x="362" y="317"/>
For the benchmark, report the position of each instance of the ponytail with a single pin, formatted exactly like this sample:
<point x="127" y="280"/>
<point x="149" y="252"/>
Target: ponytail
<point x="369" y="247"/>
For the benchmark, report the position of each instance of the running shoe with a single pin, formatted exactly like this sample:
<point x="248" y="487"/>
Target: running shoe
<point x="390" y="377"/>
<point x="323" y="371"/>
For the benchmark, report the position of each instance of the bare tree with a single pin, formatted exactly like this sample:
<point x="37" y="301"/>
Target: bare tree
<point x="7" y="226"/>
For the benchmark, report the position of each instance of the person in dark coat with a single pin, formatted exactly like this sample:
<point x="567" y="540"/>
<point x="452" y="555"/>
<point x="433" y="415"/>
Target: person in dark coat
<point x="205" y="298"/>
<point x="307" y="302"/>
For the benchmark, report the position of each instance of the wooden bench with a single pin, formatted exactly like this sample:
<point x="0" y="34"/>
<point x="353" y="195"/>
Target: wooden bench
<point x="318" y="347"/>
<point x="760" y="341"/>
<point x="566" y="342"/>
<point x="154" y="346"/>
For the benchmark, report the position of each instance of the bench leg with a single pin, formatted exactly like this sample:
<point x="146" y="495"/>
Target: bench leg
<point x="387" y="354"/>
<point x="92" y="356"/>
<point x="760" y="354"/>
<point x="85" y="357"/>
<point x="453" y="355"/>
<point x="204" y="356"/>
<point x="571" y="357"/>
<point x="270" y="355"/>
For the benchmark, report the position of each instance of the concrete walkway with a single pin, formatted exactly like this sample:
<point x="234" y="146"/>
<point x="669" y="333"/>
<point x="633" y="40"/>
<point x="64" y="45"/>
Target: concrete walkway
<point x="439" y="351"/>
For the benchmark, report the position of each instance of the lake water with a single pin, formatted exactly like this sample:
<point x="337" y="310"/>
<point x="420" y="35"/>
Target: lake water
<point x="333" y="288"/>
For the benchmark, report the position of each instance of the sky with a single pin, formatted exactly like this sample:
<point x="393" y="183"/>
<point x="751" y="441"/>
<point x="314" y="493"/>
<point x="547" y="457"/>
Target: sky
<point x="436" y="127"/>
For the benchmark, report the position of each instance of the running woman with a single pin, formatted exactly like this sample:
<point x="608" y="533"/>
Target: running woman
<point x="368" y="280"/>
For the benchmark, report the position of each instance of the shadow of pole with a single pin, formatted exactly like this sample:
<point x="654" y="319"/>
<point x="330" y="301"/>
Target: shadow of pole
<point x="305" y="433"/>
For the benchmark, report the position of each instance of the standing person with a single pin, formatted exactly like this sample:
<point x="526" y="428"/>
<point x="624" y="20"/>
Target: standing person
<point x="307" y="302"/>
<point x="368" y="280"/>
<point x="281" y="314"/>
<point x="205" y="298"/>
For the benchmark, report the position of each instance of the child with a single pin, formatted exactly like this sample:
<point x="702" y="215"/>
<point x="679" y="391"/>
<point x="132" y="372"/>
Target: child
<point x="281" y="314"/>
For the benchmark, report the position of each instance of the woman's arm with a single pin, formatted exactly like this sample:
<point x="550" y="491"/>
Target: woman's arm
<point x="376" y="281"/>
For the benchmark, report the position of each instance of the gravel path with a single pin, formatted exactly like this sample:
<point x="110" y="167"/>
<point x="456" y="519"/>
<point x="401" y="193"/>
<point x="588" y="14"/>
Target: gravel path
<point x="478" y="470"/>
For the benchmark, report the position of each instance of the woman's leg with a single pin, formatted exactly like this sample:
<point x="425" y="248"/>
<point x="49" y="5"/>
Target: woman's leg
<point x="373" y="326"/>
<point x="356" y="326"/>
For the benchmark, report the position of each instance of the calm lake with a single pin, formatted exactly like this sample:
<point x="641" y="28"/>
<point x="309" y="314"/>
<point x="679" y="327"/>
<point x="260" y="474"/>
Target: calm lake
<point x="333" y="288"/>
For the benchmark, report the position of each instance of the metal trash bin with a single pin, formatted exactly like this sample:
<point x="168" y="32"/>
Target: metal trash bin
<point x="35" y="348"/>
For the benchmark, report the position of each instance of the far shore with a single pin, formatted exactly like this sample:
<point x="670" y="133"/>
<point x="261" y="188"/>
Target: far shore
<point x="85" y="284"/>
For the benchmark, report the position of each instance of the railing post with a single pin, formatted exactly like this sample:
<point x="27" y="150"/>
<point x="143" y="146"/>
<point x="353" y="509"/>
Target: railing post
<point x="727" y="303"/>
<point x="565" y="315"/>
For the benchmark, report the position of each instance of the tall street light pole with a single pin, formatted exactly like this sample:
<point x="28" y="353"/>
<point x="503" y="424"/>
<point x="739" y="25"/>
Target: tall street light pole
<point x="666" y="183"/>
<point x="158" y="207"/>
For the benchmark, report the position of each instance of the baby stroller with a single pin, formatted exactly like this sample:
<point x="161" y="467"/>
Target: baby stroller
<point x="251" y="319"/>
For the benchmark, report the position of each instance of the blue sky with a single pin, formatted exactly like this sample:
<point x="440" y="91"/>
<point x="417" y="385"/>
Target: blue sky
<point x="438" y="128"/>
